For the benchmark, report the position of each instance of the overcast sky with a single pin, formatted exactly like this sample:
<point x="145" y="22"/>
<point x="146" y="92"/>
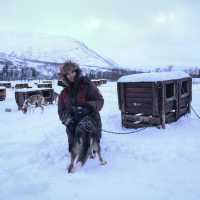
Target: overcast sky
<point x="143" y="32"/>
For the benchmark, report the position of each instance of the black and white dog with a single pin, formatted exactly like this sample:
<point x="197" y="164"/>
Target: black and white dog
<point x="86" y="143"/>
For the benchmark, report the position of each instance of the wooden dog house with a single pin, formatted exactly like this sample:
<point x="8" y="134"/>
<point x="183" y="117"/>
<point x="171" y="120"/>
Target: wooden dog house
<point x="2" y="93"/>
<point x="5" y="84"/>
<point x="23" y="94"/>
<point x="153" y="98"/>
<point x="103" y="81"/>
<point x="47" y="81"/>
<point x="99" y="82"/>
<point x="21" y="85"/>
<point x="44" y="85"/>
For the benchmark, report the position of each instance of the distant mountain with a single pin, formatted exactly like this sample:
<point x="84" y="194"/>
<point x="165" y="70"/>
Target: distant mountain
<point x="30" y="56"/>
<point x="44" y="53"/>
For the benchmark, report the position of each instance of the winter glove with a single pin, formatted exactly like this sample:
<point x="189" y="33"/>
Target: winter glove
<point x="82" y="111"/>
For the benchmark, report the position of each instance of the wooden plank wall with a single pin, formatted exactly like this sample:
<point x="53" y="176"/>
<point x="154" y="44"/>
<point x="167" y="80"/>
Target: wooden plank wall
<point x="150" y="101"/>
<point x="44" y="85"/>
<point x="21" y="85"/>
<point x="138" y="98"/>
<point x="2" y="94"/>
<point x="185" y="98"/>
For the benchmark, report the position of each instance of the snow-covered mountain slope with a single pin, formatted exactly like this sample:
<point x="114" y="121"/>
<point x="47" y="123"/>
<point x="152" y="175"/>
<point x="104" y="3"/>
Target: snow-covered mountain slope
<point x="35" y="49"/>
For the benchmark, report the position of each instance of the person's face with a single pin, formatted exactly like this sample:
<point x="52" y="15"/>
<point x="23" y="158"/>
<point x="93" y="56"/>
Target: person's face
<point x="70" y="75"/>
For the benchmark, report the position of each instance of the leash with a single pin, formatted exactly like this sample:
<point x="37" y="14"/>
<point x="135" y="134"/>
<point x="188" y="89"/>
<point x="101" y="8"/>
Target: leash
<point x="141" y="129"/>
<point x="124" y="133"/>
<point x="195" y="112"/>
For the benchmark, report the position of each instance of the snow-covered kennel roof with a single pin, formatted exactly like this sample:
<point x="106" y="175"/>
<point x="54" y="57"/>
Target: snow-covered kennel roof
<point x="154" y="76"/>
<point x="31" y="89"/>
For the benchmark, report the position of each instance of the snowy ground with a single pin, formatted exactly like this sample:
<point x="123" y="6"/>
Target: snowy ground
<point x="152" y="164"/>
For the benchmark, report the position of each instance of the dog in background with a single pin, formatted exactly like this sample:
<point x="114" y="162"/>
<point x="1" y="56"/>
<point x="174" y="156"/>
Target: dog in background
<point x="33" y="101"/>
<point x="55" y="97"/>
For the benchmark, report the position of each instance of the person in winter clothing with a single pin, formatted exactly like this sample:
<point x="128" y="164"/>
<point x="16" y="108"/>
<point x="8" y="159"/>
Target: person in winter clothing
<point x="79" y="98"/>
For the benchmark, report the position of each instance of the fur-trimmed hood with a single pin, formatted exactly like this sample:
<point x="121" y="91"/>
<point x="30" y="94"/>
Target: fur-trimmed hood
<point x="79" y="79"/>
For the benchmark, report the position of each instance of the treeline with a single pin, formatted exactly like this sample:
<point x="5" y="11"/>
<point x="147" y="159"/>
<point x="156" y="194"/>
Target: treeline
<point x="194" y="72"/>
<point x="113" y="74"/>
<point x="15" y="73"/>
<point x="10" y="72"/>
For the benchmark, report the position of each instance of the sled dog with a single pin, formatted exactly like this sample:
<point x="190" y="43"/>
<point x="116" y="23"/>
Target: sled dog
<point x="86" y="143"/>
<point x="55" y="97"/>
<point x="33" y="101"/>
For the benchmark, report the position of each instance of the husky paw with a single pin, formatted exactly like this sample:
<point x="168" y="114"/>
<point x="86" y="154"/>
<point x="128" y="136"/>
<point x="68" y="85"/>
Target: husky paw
<point x="92" y="156"/>
<point x="103" y="162"/>
<point x="70" y="169"/>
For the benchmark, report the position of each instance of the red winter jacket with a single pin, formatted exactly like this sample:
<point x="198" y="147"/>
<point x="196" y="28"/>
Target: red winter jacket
<point x="81" y="92"/>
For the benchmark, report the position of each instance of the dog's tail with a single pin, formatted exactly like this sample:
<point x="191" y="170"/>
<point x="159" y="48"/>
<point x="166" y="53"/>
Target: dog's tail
<point x="84" y="153"/>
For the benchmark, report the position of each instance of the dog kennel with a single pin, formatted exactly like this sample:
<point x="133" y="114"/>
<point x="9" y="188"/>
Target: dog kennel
<point x="99" y="82"/>
<point x="5" y="84"/>
<point x="44" y="85"/>
<point x="22" y="85"/>
<point x="23" y="94"/>
<point x="47" y="81"/>
<point x="153" y="98"/>
<point x="2" y="93"/>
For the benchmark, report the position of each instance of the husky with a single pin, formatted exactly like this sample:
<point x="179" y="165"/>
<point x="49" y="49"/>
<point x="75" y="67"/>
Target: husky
<point x="55" y="97"/>
<point x="33" y="101"/>
<point x="86" y="144"/>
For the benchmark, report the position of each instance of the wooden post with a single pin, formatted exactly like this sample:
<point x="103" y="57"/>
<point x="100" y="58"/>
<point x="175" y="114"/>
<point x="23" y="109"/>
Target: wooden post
<point x="2" y="93"/>
<point x="123" y="97"/>
<point x="163" y="97"/>
<point x="122" y="102"/>
<point x="155" y="99"/>
<point x="122" y="119"/>
<point x="119" y="95"/>
<point x="190" y="93"/>
<point x="178" y="85"/>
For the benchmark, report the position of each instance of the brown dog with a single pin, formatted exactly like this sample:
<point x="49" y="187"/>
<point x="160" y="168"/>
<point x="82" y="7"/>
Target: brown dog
<point x="33" y="101"/>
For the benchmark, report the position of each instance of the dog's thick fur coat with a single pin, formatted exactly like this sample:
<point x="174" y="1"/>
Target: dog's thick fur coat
<point x="86" y="143"/>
